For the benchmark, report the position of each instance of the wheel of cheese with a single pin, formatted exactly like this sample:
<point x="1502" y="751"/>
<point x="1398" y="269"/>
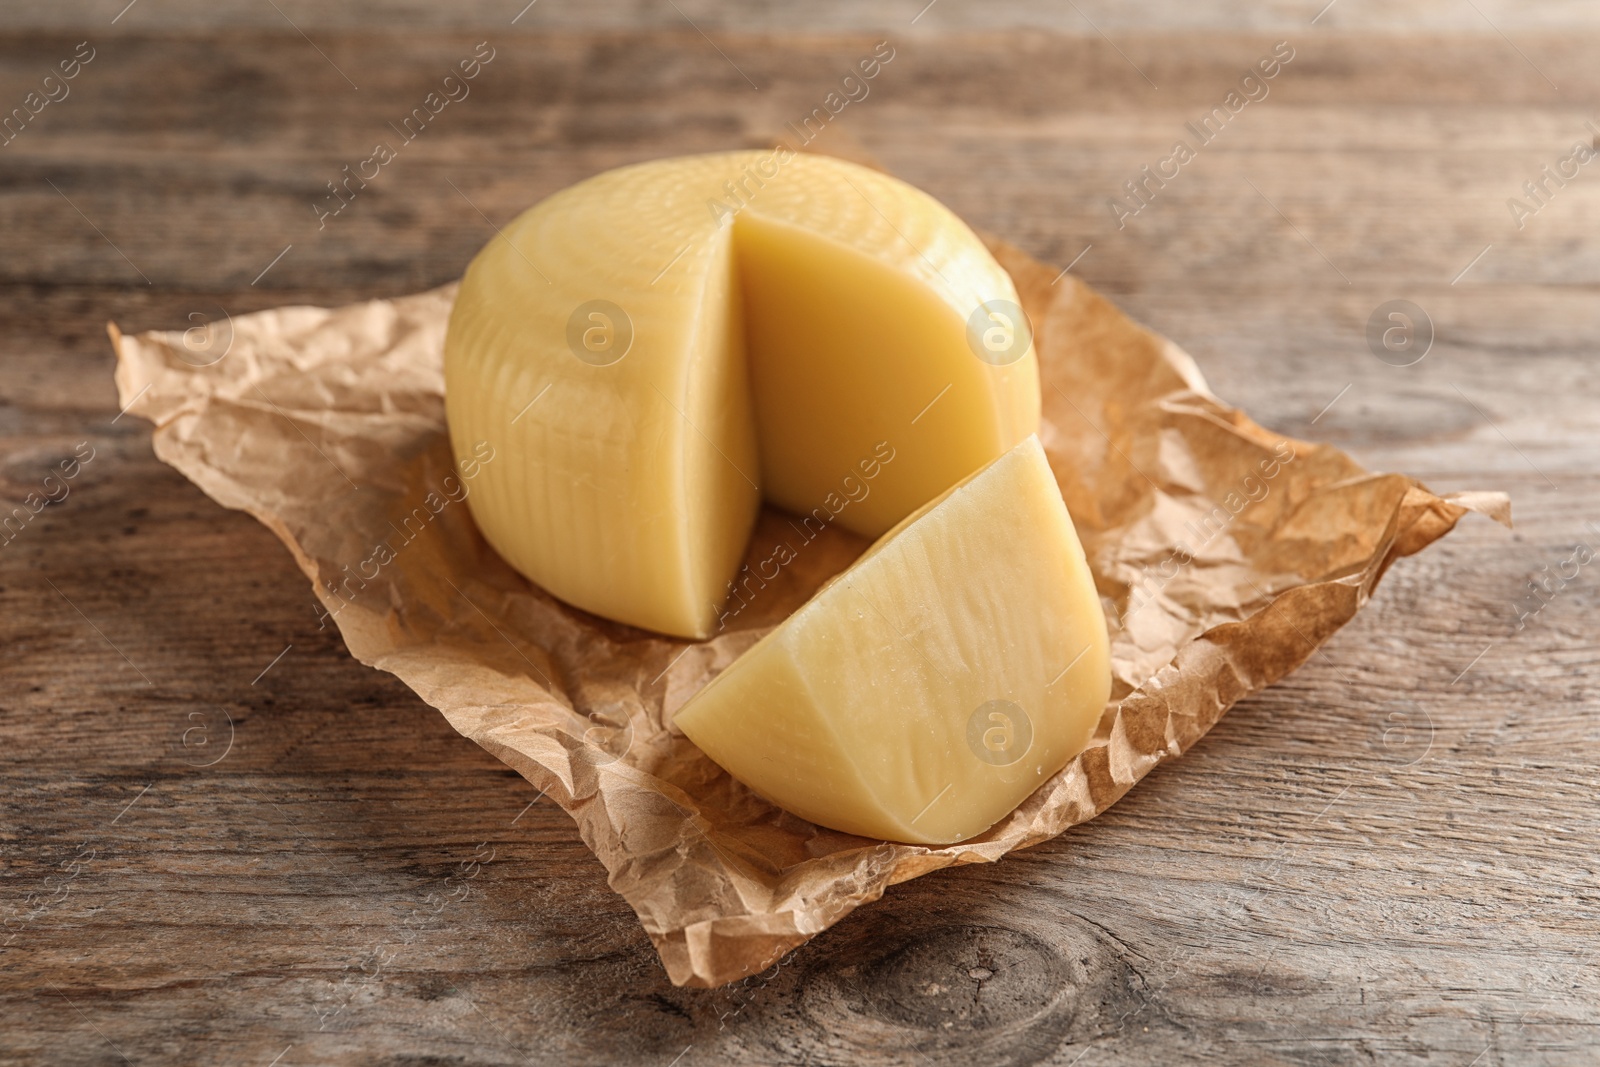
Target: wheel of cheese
<point x="926" y="691"/>
<point x="654" y="351"/>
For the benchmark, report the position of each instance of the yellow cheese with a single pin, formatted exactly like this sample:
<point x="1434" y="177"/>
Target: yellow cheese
<point x="921" y="695"/>
<point x="654" y="350"/>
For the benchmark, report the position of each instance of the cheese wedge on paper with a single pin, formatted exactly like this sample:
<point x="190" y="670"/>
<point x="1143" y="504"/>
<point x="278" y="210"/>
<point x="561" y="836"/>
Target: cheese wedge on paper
<point x="653" y="351"/>
<point x="926" y="691"/>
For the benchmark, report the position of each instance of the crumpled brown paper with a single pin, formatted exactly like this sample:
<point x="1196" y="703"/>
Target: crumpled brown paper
<point x="1224" y="555"/>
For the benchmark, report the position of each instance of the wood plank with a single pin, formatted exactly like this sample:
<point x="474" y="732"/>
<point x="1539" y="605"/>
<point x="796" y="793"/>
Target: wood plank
<point x="760" y="16"/>
<point x="1388" y="856"/>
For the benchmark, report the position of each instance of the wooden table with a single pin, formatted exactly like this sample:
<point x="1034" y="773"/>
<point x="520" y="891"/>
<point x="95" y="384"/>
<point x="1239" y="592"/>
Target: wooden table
<point x="1390" y="857"/>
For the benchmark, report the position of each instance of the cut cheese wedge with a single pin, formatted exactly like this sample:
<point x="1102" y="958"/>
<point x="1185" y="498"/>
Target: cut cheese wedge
<point x="925" y="692"/>
<point x="655" y="350"/>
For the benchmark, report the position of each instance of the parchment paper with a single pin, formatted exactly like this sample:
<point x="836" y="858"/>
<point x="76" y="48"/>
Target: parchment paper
<point x="1218" y="578"/>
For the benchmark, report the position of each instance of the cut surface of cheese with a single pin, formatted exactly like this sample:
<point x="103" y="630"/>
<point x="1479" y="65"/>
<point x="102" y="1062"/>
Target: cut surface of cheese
<point x="925" y="692"/>
<point x="654" y="350"/>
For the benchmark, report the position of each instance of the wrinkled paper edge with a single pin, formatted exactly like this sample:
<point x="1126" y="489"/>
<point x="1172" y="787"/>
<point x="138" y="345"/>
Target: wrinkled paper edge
<point x="1223" y="664"/>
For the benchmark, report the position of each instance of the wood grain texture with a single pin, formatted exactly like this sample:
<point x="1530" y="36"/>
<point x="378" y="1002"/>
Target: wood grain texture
<point x="224" y="841"/>
<point x="1082" y="17"/>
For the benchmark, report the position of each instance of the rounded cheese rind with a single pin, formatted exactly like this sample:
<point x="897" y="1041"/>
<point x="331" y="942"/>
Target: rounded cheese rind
<point x="769" y="324"/>
<point x="925" y="692"/>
